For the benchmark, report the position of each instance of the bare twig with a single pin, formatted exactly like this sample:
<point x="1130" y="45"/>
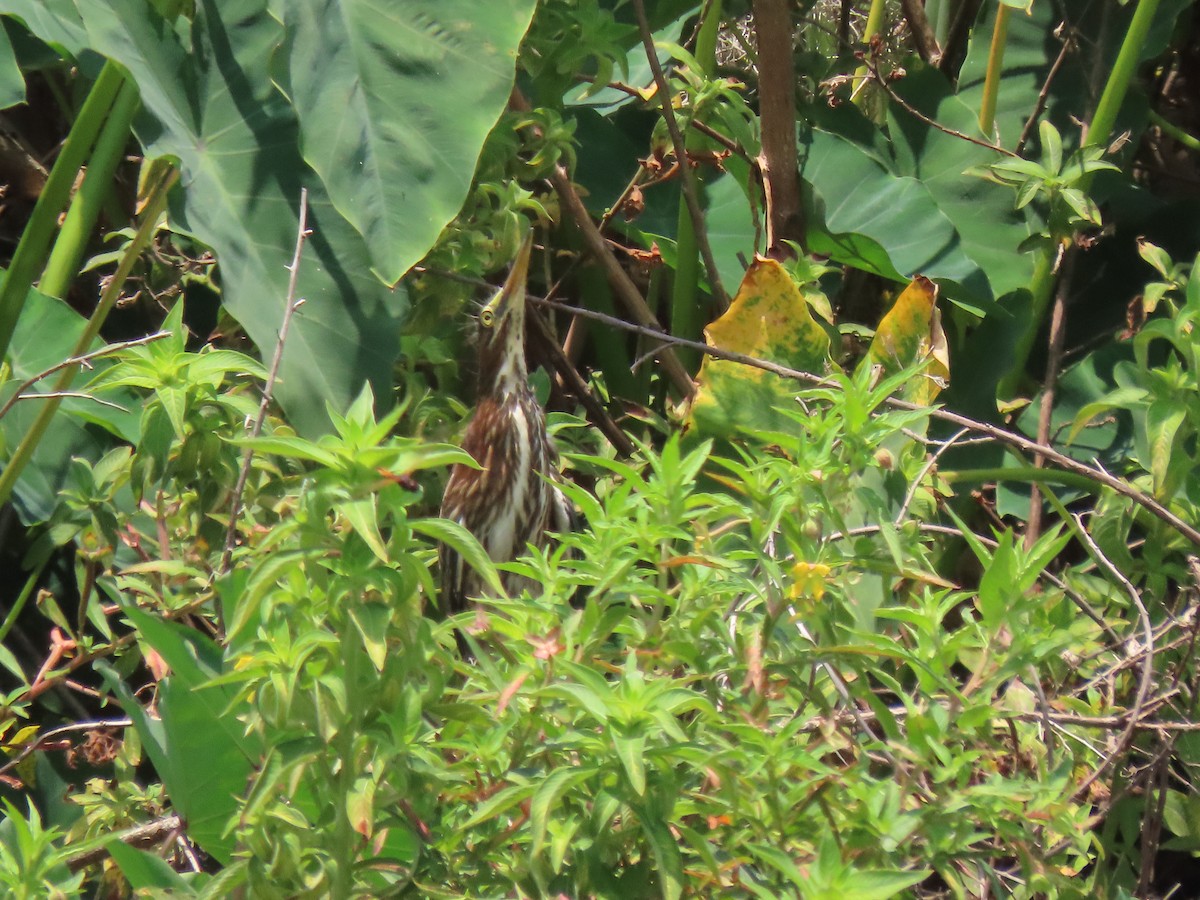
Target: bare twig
<point x="599" y="415"/>
<point x="45" y="736"/>
<point x="1152" y="819"/>
<point x="142" y="836"/>
<point x="690" y="193"/>
<point x="72" y="395"/>
<point x="1058" y="330"/>
<point x="83" y="360"/>
<point x="292" y="304"/>
<point x="872" y="64"/>
<point x="623" y="286"/>
<point x="618" y="278"/>
<point x="1094" y="473"/>
<point x="956" y="39"/>
<point x="1067" y="43"/>
<point x="929" y="464"/>
<point x="1147" y="677"/>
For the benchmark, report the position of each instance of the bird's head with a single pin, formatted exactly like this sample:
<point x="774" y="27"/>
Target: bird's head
<point x="502" y="331"/>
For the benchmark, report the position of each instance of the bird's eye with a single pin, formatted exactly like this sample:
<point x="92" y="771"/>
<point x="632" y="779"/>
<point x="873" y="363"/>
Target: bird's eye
<point x="486" y="318"/>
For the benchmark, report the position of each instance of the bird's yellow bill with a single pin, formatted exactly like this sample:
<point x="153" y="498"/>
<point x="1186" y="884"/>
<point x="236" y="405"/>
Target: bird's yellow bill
<point x="514" y="284"/>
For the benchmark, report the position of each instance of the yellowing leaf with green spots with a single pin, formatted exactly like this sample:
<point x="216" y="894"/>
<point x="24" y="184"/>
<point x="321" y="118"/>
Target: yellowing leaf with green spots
<point x="768" y="319"/>
<point x="910" y="334"/>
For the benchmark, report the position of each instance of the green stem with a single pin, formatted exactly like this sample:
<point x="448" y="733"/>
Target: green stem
<point x="344" y="836"/>
<point x="874" y="20"/>
<point x="939" y="12"/>
<point x="21" y="455"/>
<point x="995" y="66"/>
<point x="1122" y="73"/>
<point x="22" y="599"/>
<point x="685" y="289"/>
<point x="874" y="23"/>
<point x="35" y="240"/>
<point x="1173" y="130"/>
<point x="1023" y="474"/>
<point x="65" y="258"/>
<point x="1041" y="287"/>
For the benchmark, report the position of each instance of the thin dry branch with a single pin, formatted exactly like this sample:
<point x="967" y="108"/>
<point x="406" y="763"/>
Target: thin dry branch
<point x="562" y="365"/>
<point x="1146" y="680"/>
<point x="618" y="278"/>
<point x="1058" y="331"/>
<point x="83" y="360"/>
<point x="624" y="288"/>
<point x="140" y="836"/>
<point x="872" y="64"/>
<point x="1043" y="95"/>
<point x="690" y="193"/>
<point x="289" y="311"/>
<point x="47" y="736"/>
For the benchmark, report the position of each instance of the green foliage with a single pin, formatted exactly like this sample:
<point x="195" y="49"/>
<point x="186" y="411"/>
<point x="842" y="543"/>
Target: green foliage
<point x="801" y="661"/>
<point x="1163" y="398"/>
<point x="32" y="863"/>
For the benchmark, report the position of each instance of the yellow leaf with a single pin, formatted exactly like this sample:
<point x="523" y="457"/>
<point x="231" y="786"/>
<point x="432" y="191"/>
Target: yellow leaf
<point x="768" y="319"/>
<point x="911" y="334"/>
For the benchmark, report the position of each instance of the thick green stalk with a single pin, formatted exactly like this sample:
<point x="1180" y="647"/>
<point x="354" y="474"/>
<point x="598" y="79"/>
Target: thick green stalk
<point x="1026" y="474"/>
<point x="685" y="287"/>
<point x="22" y="599"/>
<point x="1122" y="73"/>
<point x="1172" y="130"/>
<point x="67" y="254"/>
<point x="345" y="837"/>
<point x="35" y="240"/>
<point x="685" y="290"/>
<point x="1041" y="287"/>
<point x="939" y="13"/>
<point x="874" y="23"/>
<point x="991" y="83"/>
<point x="23" y="453"/>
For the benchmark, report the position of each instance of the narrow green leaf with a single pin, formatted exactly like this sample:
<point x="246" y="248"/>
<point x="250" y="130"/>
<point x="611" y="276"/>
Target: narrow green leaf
<point x="463" y="543"/>
<point x="546" y="797"/>
<point x="147" y="871"/>
<point x="1164" y="418"/>
<point x="631" y="750"/>
<point x="1052" y="149"/>
<point x="371" y="620"/>
<point x="666" y="854"/>
<point x="362" y="516"/>
<point x="12" y="80"/>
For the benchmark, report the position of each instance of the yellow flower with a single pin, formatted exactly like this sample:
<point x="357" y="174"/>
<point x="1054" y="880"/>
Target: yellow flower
<point x="809" y="580"/>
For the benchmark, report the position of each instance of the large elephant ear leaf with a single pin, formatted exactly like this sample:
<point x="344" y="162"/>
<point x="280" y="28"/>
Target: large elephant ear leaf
<point x="395" y="101"/>
<point x="768" y="319"/>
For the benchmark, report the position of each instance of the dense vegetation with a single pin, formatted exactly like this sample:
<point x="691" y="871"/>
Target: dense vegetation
<point x="868" y="336"/>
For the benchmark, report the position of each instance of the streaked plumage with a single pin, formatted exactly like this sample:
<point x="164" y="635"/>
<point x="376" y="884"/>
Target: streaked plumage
<point x="514" y="499"/>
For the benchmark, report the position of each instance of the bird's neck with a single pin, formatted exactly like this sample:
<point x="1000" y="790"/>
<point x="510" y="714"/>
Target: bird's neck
<point x="507" y="376"/>
<point x="512" y="376"/>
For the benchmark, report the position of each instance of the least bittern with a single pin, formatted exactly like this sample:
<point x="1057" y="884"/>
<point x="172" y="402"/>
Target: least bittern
<point x="514" y="500"/>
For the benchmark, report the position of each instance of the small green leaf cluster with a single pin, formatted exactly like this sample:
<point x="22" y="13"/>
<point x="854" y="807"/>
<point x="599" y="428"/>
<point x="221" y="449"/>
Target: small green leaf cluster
<point x="1059" y="183"/>
<point x="1157" y="390"/>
